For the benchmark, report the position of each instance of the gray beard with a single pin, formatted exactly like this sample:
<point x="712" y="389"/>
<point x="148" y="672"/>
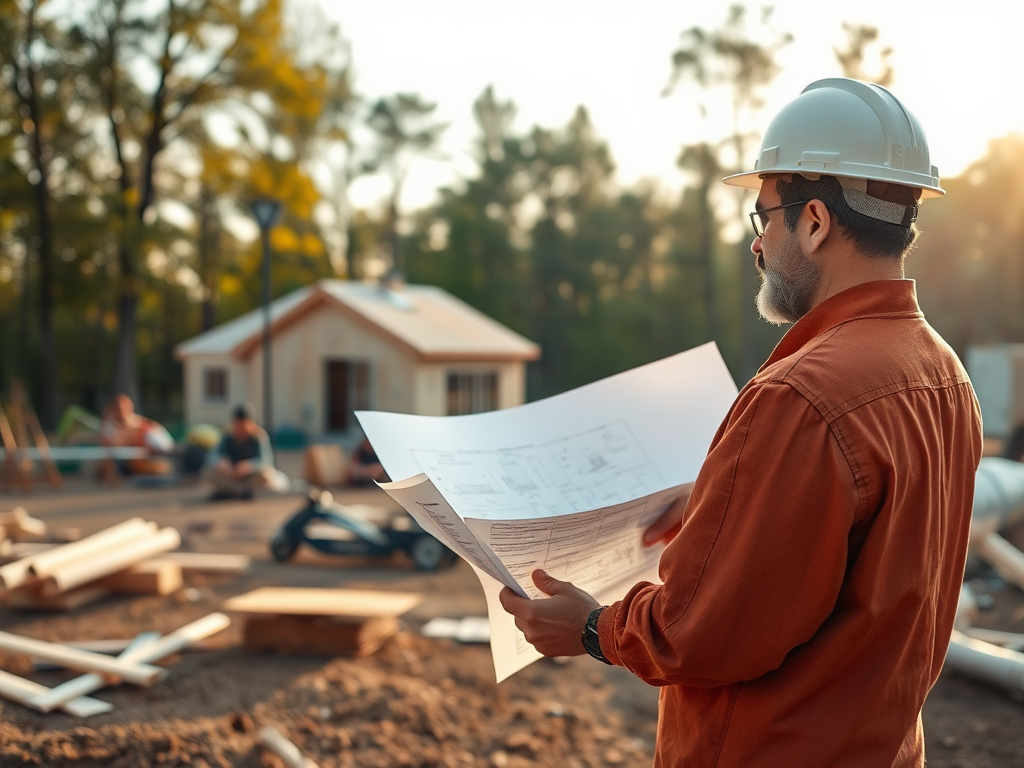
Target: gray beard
<point x="786" y="294"/>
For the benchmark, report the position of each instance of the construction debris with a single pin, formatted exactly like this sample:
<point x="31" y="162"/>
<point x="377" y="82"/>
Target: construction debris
<point x="132" y="557"/>
<point x="333" y="622"/>
<point x="986" y="662"/>
<point x="276" y="742"/>
<point x="133" y="664"/>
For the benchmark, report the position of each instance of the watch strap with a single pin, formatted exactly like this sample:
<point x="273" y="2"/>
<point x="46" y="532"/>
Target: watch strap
<point x="591" y="640"/>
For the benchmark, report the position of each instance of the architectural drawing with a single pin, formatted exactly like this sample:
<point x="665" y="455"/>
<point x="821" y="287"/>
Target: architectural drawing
<point x="592" y="469"/>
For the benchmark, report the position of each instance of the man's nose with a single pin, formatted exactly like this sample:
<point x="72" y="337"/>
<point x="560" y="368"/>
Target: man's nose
<point x="755" y="247"/>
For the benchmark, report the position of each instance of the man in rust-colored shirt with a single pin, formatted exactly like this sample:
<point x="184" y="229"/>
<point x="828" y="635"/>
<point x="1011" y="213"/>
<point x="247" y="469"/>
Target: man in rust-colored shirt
<point x="811" y="576"/>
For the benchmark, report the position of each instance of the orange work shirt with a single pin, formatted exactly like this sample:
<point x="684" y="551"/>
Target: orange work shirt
<point x="809" y="598"/>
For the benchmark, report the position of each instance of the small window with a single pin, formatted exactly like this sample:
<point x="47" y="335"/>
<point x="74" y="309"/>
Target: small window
<point x="472" y="392"/>
<point x="215" y="384"/>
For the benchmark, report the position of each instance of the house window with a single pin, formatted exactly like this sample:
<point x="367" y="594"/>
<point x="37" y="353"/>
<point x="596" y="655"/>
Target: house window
<point x="215" y="384"/>
<point x="472" y="392"/>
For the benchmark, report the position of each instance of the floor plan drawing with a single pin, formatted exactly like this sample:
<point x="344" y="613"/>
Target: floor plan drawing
<point x="595" y="468"/>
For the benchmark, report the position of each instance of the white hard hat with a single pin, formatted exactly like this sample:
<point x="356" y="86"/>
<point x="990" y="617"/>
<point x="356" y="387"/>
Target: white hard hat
<point x="848" y="129"/>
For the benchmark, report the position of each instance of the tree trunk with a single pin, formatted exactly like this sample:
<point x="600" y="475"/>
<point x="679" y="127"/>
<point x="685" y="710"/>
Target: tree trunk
<point x="126" y="381"/>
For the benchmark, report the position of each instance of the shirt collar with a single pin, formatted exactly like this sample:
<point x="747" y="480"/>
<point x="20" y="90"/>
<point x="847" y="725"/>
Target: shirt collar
<point x="880" y="298"/>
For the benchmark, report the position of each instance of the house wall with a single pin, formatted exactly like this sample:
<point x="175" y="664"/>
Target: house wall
<point x="432" y="384"/>
<point x="299" y="353"/>
<point x="200" y="410"/>
<point x="399" y="382"/>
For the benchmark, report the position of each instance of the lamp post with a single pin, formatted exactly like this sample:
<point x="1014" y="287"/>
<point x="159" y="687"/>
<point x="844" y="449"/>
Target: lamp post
<point x="266" y="211"/>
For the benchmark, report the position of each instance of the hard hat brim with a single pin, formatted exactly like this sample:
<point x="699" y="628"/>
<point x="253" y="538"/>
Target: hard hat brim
<point x="753" y="179"/>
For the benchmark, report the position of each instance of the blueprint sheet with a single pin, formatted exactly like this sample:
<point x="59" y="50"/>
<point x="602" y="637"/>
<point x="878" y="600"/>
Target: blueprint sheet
<point x="566" y="484"/>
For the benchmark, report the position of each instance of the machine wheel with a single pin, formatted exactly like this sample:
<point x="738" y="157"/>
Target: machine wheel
<point x="282" y="547"/>
<point x="427" y="553"/>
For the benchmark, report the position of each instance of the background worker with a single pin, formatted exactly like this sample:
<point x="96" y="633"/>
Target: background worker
<point x="122" y="427"/>
<point x="365" y="467"/>
<point x="809" y="596"/>
<point x="242" y="462"/>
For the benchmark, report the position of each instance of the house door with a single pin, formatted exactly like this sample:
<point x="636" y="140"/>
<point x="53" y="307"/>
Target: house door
<point x="348" y="390"/>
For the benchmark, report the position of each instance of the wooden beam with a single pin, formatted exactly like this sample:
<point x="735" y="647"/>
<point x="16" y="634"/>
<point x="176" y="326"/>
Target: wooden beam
<point x="205" y="563"/>
<point x="72" y="658"/>
<point x="148" y="653"/>
<point x="317" y="635"/>
<point x="151" y="577"/>
<point x="84" y="571"/>
<point x="349" y="603"/>
<point x="19" y="524"/>
<point x="32" y="599"/>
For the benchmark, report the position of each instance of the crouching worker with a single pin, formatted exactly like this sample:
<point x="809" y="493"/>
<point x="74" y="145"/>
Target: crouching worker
<point x="242" y="463"/>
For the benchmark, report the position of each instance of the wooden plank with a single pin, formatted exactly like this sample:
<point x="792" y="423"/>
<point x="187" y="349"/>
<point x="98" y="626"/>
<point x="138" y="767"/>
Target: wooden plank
<point x="19" y="524"/>
<point x="205" y="563"/>
<point x="112" y="560"/>
<point x="317" y="635"/>
<point x="72" y="658"/>
<point x="46" y="563"/>
<point x="148" y="653"/>
<point x="351" y="603"/>
<point x="42" y="445"/>
<point x="23" y="691"/>
<point x="150" y="577"/>
<point x="32" y="599"/>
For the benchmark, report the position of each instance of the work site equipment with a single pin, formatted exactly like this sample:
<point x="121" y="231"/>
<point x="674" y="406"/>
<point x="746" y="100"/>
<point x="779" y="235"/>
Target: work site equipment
<point x="847" y="129"/>
<point x="356" y="536"/>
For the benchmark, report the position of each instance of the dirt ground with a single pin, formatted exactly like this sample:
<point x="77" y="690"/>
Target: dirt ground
<point x="416" y="702"/>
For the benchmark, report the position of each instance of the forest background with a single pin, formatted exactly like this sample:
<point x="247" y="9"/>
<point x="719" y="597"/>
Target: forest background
<point x="135" y="133"/>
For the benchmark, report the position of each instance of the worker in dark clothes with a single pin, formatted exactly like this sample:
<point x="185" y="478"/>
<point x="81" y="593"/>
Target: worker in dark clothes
<point x="242" y="463"/>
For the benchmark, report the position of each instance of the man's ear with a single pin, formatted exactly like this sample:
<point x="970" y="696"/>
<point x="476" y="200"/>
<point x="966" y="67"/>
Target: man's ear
<point x="814" y="226"/>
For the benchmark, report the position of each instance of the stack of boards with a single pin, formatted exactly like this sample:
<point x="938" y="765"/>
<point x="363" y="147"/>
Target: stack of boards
<point x="133" y="557"/>
<point x="328" y="622"/>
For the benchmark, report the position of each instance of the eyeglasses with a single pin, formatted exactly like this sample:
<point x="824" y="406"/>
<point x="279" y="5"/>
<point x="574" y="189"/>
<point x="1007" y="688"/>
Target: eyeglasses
<point x="761" y="220"/>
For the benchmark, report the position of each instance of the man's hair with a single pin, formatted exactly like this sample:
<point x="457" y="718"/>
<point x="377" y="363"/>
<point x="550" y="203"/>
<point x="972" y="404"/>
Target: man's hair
<point x="873" y="237"/>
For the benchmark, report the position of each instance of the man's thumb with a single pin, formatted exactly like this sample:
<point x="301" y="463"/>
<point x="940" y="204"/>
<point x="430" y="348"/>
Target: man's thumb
<point x="549" y="585"/>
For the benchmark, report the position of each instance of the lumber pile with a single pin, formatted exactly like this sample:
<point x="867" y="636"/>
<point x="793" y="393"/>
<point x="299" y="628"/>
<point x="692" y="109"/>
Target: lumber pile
<point x="134" y="664"/>
<point x="329" y="622"/>
<point x="68" y="576"/>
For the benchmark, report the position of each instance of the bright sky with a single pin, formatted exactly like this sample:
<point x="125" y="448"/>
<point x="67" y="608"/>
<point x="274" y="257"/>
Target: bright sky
<point x="958" y="68"/>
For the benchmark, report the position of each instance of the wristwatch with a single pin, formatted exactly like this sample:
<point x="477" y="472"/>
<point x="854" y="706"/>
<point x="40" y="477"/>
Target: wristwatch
<point x="591" y="640"/>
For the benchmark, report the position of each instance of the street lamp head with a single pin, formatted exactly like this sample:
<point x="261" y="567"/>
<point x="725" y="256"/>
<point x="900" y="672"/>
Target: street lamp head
<point x="266" y="211"/>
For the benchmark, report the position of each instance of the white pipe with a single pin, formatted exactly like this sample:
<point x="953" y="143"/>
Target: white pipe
<point x="165" y="646"/>
<point x="1011" y="640"/>
<point x="22" y="691"/>
<point x="277" y="743"/>
<point x="998" y="496"/>
<point x="45" y="563"/>
<point x="986" y="662"/>
<point x="1005" y="559"/>
<point x="72" y="658"/>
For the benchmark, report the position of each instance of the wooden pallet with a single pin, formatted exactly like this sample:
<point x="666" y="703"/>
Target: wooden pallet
<point x="332" y="622"/>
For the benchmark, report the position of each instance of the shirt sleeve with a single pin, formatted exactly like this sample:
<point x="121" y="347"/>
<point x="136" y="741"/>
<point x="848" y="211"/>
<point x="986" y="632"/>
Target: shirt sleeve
<point x="760" y="558"/>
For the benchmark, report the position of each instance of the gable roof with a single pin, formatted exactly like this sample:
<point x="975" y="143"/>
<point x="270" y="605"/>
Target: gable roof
<point x="424" y="319"/>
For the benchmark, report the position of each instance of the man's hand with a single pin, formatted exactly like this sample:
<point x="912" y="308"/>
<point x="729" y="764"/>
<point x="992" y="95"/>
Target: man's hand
<point x="243" y="469"/>
<point x="554" y="625"/>
<point x="666" y="527"/>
